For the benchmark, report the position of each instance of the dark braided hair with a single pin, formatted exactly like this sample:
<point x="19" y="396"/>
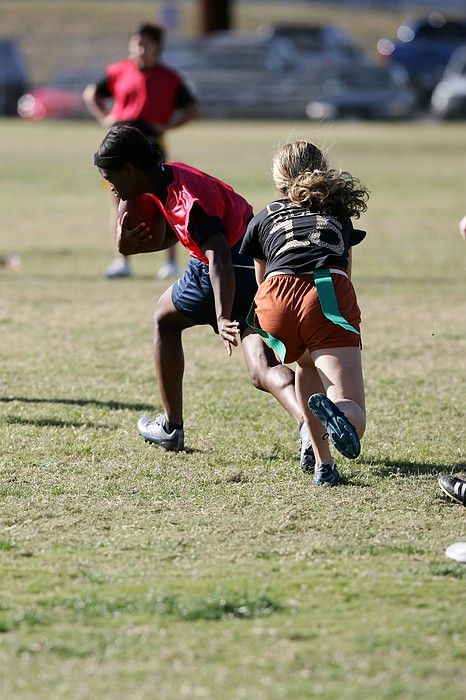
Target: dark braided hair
<point x="126" y="144"/>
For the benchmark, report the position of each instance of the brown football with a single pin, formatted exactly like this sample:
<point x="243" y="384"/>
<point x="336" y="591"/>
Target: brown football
<point x="144" y="210"/>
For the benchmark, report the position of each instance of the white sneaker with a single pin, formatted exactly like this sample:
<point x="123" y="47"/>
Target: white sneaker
<point x="169" y="269"/>
<point x="119" y="268"/>
<point x="153" y="430"/>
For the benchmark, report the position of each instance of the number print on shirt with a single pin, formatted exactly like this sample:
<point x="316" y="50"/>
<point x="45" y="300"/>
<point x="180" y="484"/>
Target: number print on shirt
<point x="319" y="229"/>
<point x="328" y="233"/>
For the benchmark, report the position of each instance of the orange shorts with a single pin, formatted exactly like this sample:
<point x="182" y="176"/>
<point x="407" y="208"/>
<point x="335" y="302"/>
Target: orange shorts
<point x="288" y="307"/>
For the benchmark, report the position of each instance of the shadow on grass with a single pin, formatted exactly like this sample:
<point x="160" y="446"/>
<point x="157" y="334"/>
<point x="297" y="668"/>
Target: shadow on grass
<point x="54" y="423"/>
<point x="390" y="467"/>
<point x="113" y="405"/>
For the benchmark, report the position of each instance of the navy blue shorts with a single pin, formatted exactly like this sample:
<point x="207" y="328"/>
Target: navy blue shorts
<point x="193" y="296"/>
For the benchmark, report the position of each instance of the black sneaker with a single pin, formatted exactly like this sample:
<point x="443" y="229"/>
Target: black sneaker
<point x="326" y="475"/>
<point x="453" y="487"/>
<point x="340" y="430"/>
<point x="307" y="457"/>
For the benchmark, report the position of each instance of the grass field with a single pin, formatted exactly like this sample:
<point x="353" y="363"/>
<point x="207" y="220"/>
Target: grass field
<point x="222" y="572"/>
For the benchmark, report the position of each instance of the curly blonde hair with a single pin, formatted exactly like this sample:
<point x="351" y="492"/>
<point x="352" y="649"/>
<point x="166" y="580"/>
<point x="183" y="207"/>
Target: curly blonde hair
<point x="301" y="174"/>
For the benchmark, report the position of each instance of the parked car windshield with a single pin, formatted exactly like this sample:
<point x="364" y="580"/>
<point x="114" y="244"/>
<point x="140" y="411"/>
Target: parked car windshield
<point x="314" y="39"/>
<point x="373" y="77"/>
<point x="247" y="53"/>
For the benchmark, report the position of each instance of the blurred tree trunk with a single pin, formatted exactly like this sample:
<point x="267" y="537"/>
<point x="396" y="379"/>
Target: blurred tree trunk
<point x="216" y="15"/>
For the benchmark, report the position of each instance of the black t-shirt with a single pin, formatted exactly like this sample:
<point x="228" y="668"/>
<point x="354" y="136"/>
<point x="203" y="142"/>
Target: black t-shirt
<point x="295" y="240"/>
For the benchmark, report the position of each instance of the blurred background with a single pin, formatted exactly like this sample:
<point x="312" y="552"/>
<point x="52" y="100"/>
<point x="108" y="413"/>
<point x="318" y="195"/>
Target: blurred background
<point x="368" y="59"/>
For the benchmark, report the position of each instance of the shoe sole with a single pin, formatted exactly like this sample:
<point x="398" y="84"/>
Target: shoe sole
<point x="167" y="445"/>
<point x="340" y="429"/>
<point x="452" y="496"/>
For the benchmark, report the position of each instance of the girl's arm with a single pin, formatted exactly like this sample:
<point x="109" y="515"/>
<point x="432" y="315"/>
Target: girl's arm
<point x="222" y="278"/>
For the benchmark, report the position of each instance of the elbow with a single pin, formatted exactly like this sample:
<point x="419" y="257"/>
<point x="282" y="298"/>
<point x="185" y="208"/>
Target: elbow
<point x="88" y="94"/>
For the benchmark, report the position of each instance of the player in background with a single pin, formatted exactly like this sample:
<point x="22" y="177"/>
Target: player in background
<point x="306" y="305"/>
<point x="209" y="219"/>
<point x="146" y="94"/>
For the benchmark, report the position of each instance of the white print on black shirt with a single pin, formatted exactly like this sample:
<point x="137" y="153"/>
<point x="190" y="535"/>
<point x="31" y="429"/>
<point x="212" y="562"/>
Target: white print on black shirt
<point x="319" y="226"/>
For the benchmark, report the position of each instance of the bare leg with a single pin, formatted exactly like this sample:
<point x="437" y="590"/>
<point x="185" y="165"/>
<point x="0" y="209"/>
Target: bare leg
<point x="267" y="374"/>
<point x="340" y="370"/>
<point x="168" y="356"/>
<point x="308" y="382"/>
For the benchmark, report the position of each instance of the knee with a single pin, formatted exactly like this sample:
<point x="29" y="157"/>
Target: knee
<point x="161" y="321"/>
<point x="256" y="375"/>
<point x="157" y="317"/>
<point x="272" y="379"/>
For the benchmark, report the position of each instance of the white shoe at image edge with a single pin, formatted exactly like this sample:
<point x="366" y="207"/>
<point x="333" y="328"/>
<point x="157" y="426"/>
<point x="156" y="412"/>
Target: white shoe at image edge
<point x="457" y="552"/>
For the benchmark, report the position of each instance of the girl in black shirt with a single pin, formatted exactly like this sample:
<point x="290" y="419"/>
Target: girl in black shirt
<point x="306" y="306"/>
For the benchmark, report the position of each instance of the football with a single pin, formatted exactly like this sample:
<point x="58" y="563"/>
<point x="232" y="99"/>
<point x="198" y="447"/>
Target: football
<point x="144" y="210"/>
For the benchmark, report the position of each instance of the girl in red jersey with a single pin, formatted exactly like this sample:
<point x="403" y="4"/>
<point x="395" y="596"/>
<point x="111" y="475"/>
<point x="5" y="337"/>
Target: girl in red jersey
<point x="147" y="94"/>
<point x="209" y="218"/>
<point x="306" y="305"/>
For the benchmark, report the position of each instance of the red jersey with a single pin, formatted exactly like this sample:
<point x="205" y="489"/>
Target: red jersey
<point x="149" y="95"/>
<point x="190" y="186"/>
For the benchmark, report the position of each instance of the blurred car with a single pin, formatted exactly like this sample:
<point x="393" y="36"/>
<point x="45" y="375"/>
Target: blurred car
<point x="241" y="75"/>
<point x="449" y="96"/>
<point x="363" y="91"/>
<point x="251" y="75"/>
<point x="314" y="40"/>
<point x="13" y="76"/>
<point x="61" y="98"/>
<point x="182" y="54"/>
<point x="423" y="48"/>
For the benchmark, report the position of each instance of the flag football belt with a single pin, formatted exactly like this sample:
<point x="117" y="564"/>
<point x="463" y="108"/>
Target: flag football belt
<point x="328" y="304"/>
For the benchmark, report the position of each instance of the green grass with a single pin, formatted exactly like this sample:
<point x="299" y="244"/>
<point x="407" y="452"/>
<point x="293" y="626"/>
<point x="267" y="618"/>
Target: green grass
<point x="222" y="572"/>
